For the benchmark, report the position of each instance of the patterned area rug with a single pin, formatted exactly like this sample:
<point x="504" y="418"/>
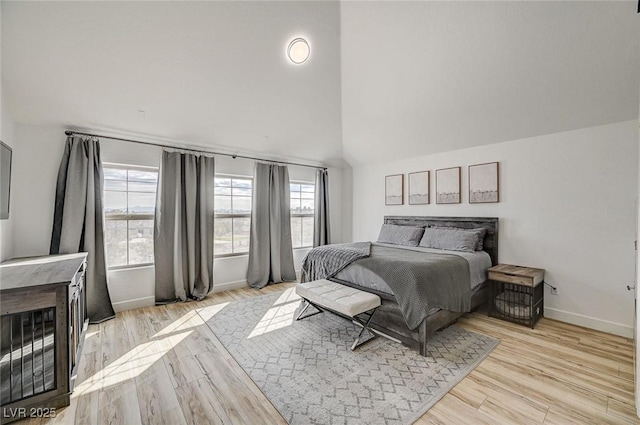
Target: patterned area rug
<point x="309" y="373"/>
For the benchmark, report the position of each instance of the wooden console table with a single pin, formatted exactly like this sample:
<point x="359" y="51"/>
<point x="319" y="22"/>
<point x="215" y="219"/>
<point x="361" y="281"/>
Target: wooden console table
<point x="43" y="321"/>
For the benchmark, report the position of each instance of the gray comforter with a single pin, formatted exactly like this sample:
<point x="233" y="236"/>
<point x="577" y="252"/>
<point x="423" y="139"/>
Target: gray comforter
<point x="326" y="261"/>
<point x="419" y="280"/>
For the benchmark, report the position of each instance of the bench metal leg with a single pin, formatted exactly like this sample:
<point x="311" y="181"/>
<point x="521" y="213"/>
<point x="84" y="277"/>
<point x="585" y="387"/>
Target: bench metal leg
<point x="375" y="331"/>
<point x="365" y="327"/>
<point x="364" y="324"/>
<point x="307" y="303"/>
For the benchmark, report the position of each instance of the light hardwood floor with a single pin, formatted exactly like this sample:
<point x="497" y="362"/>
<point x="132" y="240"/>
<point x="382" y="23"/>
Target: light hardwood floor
<point x="162" y="365"/>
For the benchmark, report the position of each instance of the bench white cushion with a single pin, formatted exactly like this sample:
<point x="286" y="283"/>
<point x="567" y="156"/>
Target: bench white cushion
<point x="343" y="299"/>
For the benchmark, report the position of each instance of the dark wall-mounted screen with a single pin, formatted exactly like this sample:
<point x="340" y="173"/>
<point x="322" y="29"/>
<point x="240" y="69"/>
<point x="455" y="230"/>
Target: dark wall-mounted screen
<point x="5" y="180"/>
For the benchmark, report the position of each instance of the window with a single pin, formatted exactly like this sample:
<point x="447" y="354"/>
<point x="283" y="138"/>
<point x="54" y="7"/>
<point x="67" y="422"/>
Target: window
<point x="302" y="208"/>
<point x="232" y="221"/>
<point x="129" y="205"/>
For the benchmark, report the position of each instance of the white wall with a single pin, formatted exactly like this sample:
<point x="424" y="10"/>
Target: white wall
<point x="35" y="172"/>
<point x="6" y="135"/>
<point x="7" y="226"/>
<point x="568" y="205"/>
<point x="636" y="334"/>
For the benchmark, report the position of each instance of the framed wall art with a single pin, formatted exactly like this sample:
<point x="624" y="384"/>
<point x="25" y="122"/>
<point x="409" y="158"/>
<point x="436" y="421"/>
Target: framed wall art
<point x="5" y="179"/>
<point x="448" y="185"/>
<point x="394" y="189"/>
<point x="419" y="188"/>
<point x="484" y="183"/>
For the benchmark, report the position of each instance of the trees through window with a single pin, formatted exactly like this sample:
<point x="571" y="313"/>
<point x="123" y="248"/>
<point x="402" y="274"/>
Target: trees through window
<point x="232" y="221"/>
<point x="302" y="210"/>
<point x="129" y="205"/>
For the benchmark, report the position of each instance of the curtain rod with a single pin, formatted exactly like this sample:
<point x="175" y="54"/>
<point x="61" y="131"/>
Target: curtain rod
<point x="234" y="156"/>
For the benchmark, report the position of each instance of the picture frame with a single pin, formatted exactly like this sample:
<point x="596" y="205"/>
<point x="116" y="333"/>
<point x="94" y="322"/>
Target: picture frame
<point x="484" y="183"/>
<point x="6" y="154"/>
<point x="448" y="189"/>
<point x="394" y="189"/>
<point x="419" y="183"/>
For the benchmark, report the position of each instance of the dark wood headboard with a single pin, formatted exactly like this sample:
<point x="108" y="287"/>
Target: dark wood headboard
<point x="489" y="223"/>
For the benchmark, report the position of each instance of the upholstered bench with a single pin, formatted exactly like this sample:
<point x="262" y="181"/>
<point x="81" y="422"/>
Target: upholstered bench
<point x="344" y="300"/>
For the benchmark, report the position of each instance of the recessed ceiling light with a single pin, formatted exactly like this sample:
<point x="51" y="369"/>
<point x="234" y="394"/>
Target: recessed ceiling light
<point x="298" y="50"/>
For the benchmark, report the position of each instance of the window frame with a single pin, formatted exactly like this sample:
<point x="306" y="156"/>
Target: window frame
<point x="127" y="216"/>
<point x="312" y="215"/>
<point x="232" y="215"/>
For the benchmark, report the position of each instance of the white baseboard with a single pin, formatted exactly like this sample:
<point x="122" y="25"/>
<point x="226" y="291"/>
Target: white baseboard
<point x="227" y="286"/>
<point x="589" y="322"/>
<point x="135" y="303"/>
<point x="150" y="301"/>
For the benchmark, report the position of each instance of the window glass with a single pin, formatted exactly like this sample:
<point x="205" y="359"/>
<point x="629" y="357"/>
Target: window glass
<point x="129" y="206"/>
<point x="140" y="241"/>
<point x="114" y="174"/>
<point x="307" y="206"/>
<point x="150" y="187"/>
<point x="222" y="204"/>
<point x="113" y="185"/>
<point x="116" y="242"/>
<point x="115" y="202"/>
<point x="302" y="197"/>
<point x="307" y="231"/>
<point x="223" y="236"/>
<point x="141" y="202"/>
<point x="242" y="204"/>
<point x="241" y="228"/>
<point x="222" y="190"/>
<point x="232" y="220"/>
<point x="296" y="231"/>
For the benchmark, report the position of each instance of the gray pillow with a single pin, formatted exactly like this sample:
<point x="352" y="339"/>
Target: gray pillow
<point x="481" y="232"/>
<point x="450" y="239"/>
<point x="400" y="235"/>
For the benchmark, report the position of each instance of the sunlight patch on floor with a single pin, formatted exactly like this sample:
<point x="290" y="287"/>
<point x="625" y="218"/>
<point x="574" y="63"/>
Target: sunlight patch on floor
<point x="139" y="359"/>
<point x="287" y="296"/>
<point x="208" y="312"/>
<point x="279" y="316"/>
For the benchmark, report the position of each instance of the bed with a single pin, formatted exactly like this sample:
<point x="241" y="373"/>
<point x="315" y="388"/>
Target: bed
<point x="413" y="327"/>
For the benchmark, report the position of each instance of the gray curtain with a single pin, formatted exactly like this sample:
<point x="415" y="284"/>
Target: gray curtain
<point x="183" y="231"/>
<point x="78" y="219"/>
<point x="321" y="228"/>
<point x="270" y="248"/>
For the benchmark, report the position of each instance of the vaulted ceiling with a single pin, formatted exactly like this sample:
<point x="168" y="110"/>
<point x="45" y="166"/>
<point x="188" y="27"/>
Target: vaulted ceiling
<point x="426" y="77"/>
<point x="204" y="73"/>
<point x="385" y="79"/>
